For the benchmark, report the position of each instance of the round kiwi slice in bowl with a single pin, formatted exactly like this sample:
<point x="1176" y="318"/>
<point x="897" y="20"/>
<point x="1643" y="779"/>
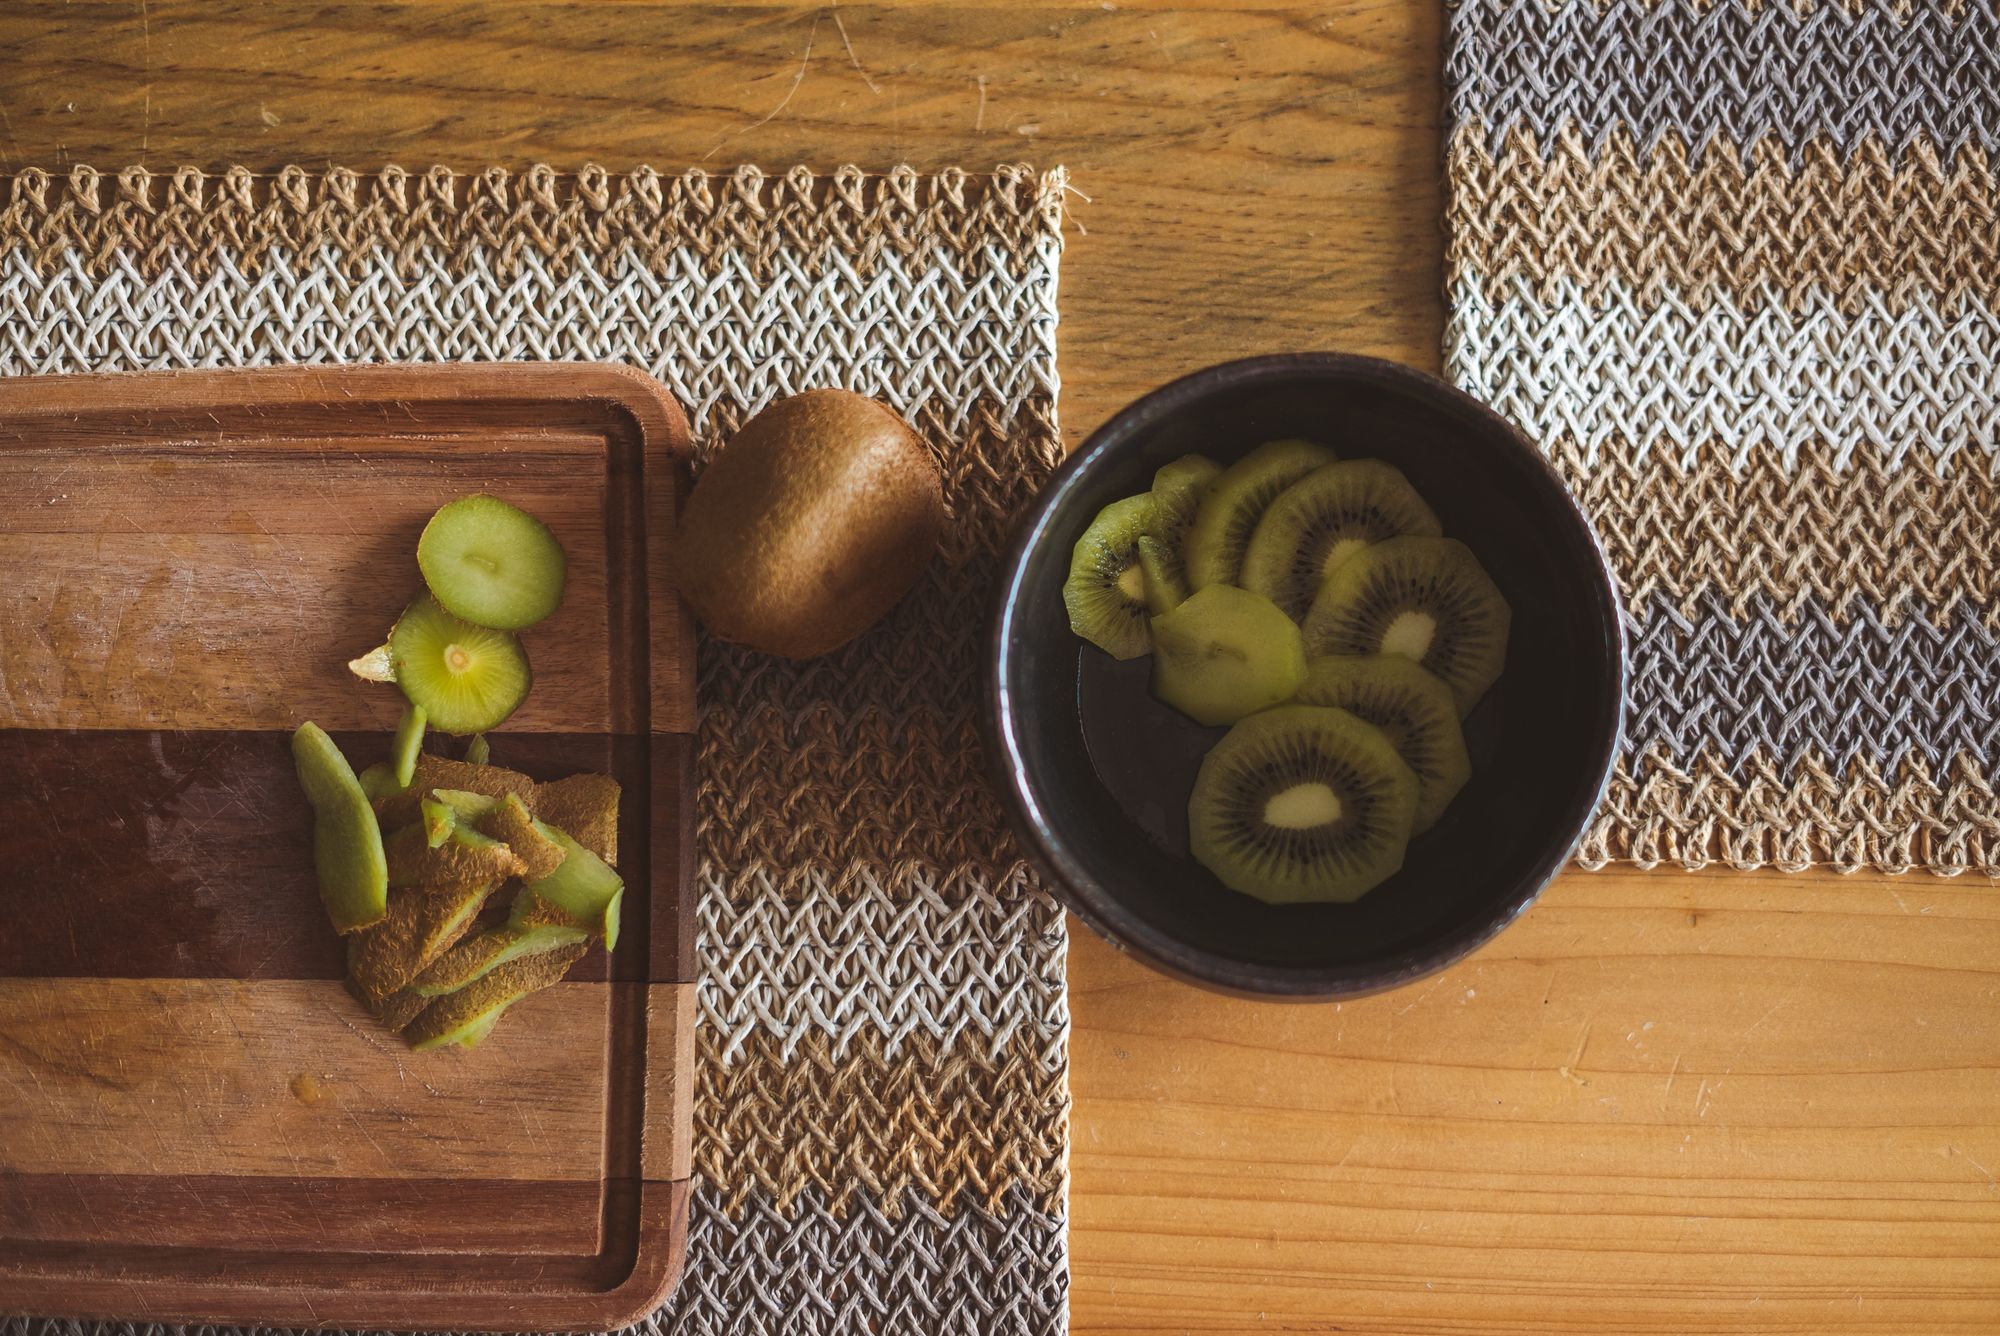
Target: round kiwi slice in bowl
<point x="492" y="563"/>
<point x="1106" y="590"/>
<point x="1237" y="499"/>
<point x="465" y="678"/>
<point x="1426" y="599"/>
<point x="1414" y="710"/>
<point x="1302" y="804"/>
<point x="1177" y="492"/>
<point x="1324" y="518"/>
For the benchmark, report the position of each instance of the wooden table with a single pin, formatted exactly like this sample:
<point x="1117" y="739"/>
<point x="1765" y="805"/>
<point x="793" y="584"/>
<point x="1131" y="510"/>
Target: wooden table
<point x="1662" y="1102"/>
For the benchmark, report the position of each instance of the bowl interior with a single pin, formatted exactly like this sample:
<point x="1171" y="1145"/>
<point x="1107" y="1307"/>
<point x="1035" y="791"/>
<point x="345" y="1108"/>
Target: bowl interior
<point x="1103" y="770"/>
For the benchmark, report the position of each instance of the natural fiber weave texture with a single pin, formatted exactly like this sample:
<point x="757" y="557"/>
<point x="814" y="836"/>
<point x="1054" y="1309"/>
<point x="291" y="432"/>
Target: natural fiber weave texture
<point x="1735" y="264"/>
<point x="882" y="1086"/>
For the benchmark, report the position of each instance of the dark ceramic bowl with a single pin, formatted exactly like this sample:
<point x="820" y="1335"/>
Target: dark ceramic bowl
<point x="1095" y="773"/>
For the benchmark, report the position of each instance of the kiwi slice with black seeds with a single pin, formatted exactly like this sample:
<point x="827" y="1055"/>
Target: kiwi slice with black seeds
<point x="1106" y="590"/>
<point x="1414" y="710"/>
<point x="1302" y="803"/>
<point x="1177" y="491"/>
<point x="1323" y="519"/>
<point x="1237" y="499"/>
<point x="1425" y="599"/>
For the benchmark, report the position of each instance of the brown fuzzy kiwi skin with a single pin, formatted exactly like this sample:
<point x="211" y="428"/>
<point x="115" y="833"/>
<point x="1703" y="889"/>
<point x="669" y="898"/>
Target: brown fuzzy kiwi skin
<point x="419" y="927"/>
<point x="435" y="772"/>
<point x="583" y="807"/>
<point x="809" y="525"/>
<point x="413" y="863"/>
<point x="510" y="823"/>
<point x="500" y="989"/>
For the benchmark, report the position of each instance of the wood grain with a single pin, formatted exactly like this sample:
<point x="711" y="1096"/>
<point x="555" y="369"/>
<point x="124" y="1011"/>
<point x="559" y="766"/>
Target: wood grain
<point x="1251" y="178"/>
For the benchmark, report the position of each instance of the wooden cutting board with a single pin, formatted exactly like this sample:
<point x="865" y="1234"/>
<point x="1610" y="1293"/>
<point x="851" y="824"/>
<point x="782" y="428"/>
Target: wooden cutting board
<point x="196" y="1121"/>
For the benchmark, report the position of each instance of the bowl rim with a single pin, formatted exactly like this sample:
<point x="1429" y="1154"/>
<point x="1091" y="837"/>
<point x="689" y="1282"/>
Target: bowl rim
<point x="1061" y="871"/>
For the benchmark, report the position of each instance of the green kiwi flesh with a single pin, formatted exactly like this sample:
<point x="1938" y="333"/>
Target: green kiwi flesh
<point x="1106" y="590"/>
<point x="467" y="678"/>
<point x="1414" y="710"/>
<point x="348" y="852"/>
<point x="1324" y="518"/>
<point x="1177" y="491"/>
<point x="1302" y="803"/>
<point x="455" y="1017"/>
<point x="583" y="892"/>
<point x="476" y="957"/>
<point x="409" y="743"/>
<point x="532" y="842"/>
<point x="1426" y="599"/>
<point x="584" y="807"/>
<point x="492" y="563"/>
<point x="1236" y="500"/>
<point x="1224" y="653"/>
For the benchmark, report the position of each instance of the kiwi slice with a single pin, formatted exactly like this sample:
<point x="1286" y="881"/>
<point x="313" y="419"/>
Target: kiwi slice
<point x="532" y="842"/>
<point x="1323" y="519"/>
<point x="409" y="744"/>
<point x="476" y="957"/>
<point x="1426" y="599"/>
<point x="463" y="856"/>
<point x="584" y="807"/>
<point x="1302" y="803"/>
<point x="419" y="929"/>
<point x="379" y="781"/>
<point x="1224" y="653"/>
<point x="491" y="563"/>
<point x="457" y="1016"/>
<point x="1414" y="710"/>
<point x="1177" y="491"/>
<point x="476" y="751"/>
<point x="583" y="892"/>
<point x="397" y="810"/>
<point x="467" y="678"/>
<point x="1237" y="499"/>
<point x="1106" y="590"/>
<point x="348" y="854"/>
<point x="439" y="821"/>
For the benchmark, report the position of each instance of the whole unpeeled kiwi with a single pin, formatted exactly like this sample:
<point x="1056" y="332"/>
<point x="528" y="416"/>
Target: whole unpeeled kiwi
<point x="809" y="525"/>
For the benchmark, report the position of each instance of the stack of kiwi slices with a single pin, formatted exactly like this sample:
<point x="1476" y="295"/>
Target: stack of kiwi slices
<point x="461" y="886"/>
<point x="1314" y="606"/>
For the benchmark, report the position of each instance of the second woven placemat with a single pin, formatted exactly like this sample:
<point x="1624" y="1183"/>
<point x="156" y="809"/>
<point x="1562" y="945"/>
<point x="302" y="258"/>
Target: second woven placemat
<point x="1733" y="265"/>
<point x="882" y="1081"/>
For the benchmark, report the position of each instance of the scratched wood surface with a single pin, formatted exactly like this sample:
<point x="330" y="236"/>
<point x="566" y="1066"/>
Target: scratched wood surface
<point x="1803" y="1140"/>
<point x="196" y="1119"/>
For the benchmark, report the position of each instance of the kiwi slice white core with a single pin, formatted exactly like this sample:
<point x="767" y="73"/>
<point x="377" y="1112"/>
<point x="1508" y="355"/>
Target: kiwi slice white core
<point x="1410" y="635"/>
<point x="492" y="563"/>
<point x="466" y="678"/>
<point x="1302" y="806"/>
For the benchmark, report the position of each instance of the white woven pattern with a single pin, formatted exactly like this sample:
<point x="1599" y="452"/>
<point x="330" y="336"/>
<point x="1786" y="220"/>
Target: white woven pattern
<point x="937" y="332"/>
<point x="1666" y="376"/>
<point x="953" y="957"/>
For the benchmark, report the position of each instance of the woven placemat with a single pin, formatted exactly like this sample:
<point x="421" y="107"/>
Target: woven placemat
<point x="1733" y="264"/>
<point x="882" y="1094"/>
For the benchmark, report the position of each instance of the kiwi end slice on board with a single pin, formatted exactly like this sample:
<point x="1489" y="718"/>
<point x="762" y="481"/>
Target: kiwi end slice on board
<point x="585" y="808"/>
<point x="467" y="678"/>
<point x="409" y="744"/>
<point x="476" y="957"/>
<point x="464" y="856"/>
<point x="1177" y="492"/>
<point x="1324" y="518"/>
<point x="1426" y="599"/>
<point x="1414" y="710"/>
<point x="451" y="1018"/>
<point x="584" y="893"/>
<point x="1237" y="499"/>
<point x="1106" y="590"/>
<point x="492" y="563"/>
<point x="1225" y="653"/>
<point x="348" y="853"/>
<point x="1302" y="803"/>
<point x="419" y="928"/>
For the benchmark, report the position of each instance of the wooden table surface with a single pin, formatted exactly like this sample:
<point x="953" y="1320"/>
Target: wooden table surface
<point x="1663" y="1102"/>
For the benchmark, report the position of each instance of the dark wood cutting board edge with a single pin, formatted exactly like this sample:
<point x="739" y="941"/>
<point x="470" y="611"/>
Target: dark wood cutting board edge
<point x="644" y="1195"/>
